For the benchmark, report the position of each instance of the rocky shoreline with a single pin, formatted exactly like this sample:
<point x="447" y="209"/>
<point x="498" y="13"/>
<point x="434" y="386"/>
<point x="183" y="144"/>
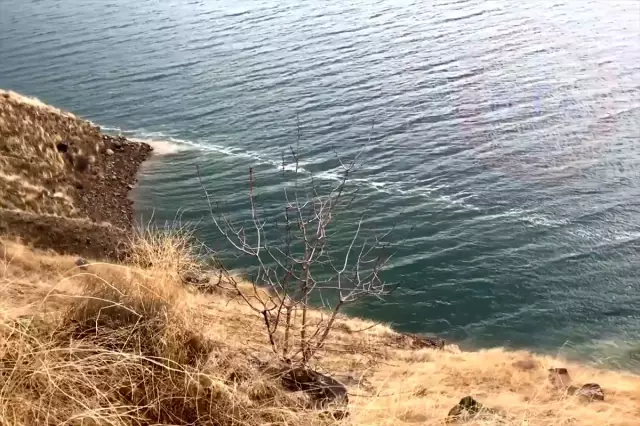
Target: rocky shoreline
<point x="102" y="194"/>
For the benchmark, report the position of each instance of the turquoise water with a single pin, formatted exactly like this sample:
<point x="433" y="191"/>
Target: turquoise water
<point x="503" y="134"/>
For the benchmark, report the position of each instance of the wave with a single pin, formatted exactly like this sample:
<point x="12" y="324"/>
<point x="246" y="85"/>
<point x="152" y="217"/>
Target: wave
<point x="161" y="147"/>
<point x="170" y="145"/>
<point x="166" y="144"/>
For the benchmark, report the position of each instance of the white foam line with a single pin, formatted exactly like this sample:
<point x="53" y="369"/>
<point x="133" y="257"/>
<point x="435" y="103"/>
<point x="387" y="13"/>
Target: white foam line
<point x="166" y="144"/>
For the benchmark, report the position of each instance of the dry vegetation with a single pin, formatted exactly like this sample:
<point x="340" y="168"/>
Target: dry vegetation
<point x="131" y="345"/>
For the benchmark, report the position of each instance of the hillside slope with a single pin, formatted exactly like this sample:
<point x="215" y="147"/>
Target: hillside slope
<point x="126" y="345"/>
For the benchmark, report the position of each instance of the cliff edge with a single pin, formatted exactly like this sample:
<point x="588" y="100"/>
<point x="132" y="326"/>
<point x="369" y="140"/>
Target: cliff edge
<point x="63" y="183"/>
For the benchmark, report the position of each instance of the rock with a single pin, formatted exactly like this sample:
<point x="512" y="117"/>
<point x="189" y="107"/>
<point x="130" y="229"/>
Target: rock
<point x="62" y="147"/>
<point x="82" y="264"/>
<point x="129" y="187"/>
<point x="470" y="409"/>
<point x="588" y="392"/>
<point x="559" y="378"/>
<point x="466" y="409"/>
<point x="321" y="388"/>
<point x="109" y="151"/>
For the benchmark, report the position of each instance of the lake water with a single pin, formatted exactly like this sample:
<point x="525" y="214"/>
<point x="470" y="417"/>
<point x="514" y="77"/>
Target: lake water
<point x="501" y="138"/>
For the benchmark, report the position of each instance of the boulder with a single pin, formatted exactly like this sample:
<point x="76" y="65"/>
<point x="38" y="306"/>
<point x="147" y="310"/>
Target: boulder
<point x="82" y="263"/>
<point x="62" y="147"/>
<point x="322" y="389"/>
<point x="109" y="152"/>
<point x="588" y="392"/>
<point x="467" y="409"/>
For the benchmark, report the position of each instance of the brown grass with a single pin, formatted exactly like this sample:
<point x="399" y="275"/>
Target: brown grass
<point x="130" y="345"/>
<point x="35" y="175"/>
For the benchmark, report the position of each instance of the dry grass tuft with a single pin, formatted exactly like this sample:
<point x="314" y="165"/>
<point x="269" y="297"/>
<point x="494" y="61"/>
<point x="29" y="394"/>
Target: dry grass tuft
<point x="130" y="345"/>
<point x="172" y="250"/>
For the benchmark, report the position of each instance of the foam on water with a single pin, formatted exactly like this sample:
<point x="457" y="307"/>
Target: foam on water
<point x="162" y="147"/>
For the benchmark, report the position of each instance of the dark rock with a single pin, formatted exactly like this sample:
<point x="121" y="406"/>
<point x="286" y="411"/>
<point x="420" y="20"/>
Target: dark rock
<point x="466" y="409"/>
<point x="82" y="264"/>
<point x="129" y="187"/>
<point x="62" y="147"/>
<point x="588" y="392"/>
<point x="469" y="409"/>
<point x="559" y="378"/>
<point x="321" y="388"/>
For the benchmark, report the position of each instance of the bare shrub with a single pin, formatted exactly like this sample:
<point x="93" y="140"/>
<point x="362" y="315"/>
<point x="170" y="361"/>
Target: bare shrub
<point x="297" y="265"/>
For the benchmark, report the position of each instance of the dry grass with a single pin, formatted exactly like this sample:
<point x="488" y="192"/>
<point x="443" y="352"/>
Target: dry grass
<point x="130" y="345"/>
<point x="34" y="175"/>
